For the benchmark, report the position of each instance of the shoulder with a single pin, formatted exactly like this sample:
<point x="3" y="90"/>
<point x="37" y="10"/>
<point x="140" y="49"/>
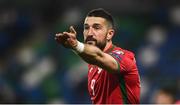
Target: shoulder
<point x="122" y="54"/>
<point x="129" y="54"/>
<point x="125" y="58"/>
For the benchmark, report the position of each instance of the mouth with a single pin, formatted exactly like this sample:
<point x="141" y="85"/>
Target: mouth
<point x="92" y="42"/>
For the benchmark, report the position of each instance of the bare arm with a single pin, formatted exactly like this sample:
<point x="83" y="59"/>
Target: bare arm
<point x="91" y="54"/>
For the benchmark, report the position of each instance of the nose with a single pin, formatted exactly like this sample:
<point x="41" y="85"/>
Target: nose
<point x="90" y="32"/>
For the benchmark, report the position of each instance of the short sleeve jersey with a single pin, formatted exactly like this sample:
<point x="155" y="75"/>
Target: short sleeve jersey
<point x="115" y="88"/>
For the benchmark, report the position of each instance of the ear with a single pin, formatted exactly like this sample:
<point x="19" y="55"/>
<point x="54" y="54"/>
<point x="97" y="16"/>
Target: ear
<point x="110" y="34"/>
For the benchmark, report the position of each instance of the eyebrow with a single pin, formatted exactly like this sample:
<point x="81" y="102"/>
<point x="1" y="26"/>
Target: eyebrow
<point x="96" y="24"/>
<point x="85" y="24"/>
<point x="93" y="24"/>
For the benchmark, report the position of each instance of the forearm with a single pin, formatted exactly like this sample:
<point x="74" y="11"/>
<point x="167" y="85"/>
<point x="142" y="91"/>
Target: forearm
<point x="93" y="55"/>
<point x="89" y="53"/>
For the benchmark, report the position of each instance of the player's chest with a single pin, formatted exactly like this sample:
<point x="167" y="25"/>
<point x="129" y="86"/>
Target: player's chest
<point x="95" y="72"/>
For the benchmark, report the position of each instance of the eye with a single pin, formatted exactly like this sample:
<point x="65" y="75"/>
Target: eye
<point x="96" y="26"/>
<point x="86" y="27"/>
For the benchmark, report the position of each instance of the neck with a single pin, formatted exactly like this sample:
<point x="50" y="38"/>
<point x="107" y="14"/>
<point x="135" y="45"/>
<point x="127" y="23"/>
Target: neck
<point x="109" y="43"/>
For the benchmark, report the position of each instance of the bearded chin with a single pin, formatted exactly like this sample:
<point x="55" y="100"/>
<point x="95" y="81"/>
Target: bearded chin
<point x="101" y="45"/>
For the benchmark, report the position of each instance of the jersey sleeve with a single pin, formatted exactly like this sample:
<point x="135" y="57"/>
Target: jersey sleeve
<point x="125" y="60"/>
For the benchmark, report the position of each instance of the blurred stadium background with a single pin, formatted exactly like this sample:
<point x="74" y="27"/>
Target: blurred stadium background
<point x="34" y="69"/>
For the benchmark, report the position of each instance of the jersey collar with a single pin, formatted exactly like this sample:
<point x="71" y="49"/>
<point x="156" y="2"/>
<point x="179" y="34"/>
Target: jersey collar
<point x="111" y="47"/>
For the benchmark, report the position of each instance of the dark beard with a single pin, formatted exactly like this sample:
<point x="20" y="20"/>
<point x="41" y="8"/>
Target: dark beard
<point x="99" y="45"/>
<point x="90" y="39"/>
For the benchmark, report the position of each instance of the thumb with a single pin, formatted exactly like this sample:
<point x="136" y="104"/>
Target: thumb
<point x="72" y="30"/>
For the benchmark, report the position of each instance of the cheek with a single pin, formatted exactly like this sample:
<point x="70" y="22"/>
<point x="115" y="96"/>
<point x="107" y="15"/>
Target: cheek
<point x="101" y="35"/>
<point x="85" y="37"/>
<point x="84" y="34"/>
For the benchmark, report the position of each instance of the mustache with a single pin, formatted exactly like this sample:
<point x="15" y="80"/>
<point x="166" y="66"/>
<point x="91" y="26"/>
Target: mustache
<point x="90" y="39"/>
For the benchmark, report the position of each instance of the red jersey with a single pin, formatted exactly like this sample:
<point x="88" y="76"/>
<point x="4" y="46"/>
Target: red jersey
<point x="115" y="88"/>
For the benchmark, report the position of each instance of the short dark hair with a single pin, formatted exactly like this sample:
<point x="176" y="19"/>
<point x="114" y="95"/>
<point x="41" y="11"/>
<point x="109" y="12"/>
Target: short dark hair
<point x="100" y="12"/>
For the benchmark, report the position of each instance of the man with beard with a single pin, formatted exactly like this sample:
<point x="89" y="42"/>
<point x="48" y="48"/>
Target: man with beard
<point x="113" y="75"/>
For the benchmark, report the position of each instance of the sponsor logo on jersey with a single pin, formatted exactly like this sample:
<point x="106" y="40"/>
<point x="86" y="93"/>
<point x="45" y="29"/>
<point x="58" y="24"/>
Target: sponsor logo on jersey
<point x="118" y="52"/>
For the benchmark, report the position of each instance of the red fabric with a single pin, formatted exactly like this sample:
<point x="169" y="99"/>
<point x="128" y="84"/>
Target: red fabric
<point x="104" y="87"/>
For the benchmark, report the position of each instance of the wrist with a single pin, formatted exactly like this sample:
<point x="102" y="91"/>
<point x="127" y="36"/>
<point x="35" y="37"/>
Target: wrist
<point x="79" y="48"/>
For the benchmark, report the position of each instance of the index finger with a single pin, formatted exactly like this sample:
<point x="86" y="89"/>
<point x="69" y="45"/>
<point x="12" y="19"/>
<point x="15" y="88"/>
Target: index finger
<point x="72" y="30"/>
